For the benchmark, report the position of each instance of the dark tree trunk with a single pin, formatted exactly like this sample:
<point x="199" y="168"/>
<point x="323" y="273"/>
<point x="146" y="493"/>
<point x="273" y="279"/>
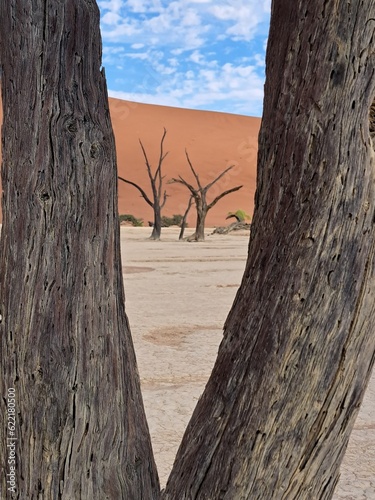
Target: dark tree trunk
<point x="201" y="208"/>
<point x="184" y="218"/>
<point x="156" y="228"/>
<point x="201" y="221"/>
<point x="66" y="347"/>
<point x="299" y="343"/>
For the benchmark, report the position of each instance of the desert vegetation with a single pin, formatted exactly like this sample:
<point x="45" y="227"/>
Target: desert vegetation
<point x="239" y="215"/>
<point x="131" y="219"/>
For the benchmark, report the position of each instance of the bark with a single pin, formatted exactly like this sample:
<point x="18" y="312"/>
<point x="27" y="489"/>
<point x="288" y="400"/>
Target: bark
<point x="298" y="346"/>
<point x="201" y="221"/>
<point x="156" y="228"/>
<point x="66" y="347"/>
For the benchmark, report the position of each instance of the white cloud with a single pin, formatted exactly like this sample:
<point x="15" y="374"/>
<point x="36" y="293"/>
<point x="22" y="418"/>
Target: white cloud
<point x="111" y="18"/>
<point x="112" y="50"/>
<point x="197" y="57"/>
<point x="136" y="5"/>
<point x="267" y="6"/>
<point x="191" y="18"/>
<point x="206" y="88"/>
<point x="173" y="62"/>
<point x="141" y="6"/>
<point x="111" y="5"/>
<point x="177" y="52"/>
<point x="143" y="56"/>
<point x="183" y="23"/>
<point x="189" y="53"/>
<point x="240" y="18"/>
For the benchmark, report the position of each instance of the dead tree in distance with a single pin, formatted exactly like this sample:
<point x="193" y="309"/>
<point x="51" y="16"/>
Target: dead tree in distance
<point x="199" y="195"/>
<point x="156" y="180"/>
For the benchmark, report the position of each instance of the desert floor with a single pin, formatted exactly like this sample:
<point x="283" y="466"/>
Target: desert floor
<point x="178" y="295"/>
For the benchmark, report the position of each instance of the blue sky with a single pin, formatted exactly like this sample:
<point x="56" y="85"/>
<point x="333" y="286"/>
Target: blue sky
<point x="198" y="54"/>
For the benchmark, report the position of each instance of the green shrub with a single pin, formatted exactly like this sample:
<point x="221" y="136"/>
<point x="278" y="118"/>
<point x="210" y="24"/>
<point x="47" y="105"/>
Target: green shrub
<point x="240" y="215"/>
<point x="175" y="220"/>
<point x="133" y="220"/>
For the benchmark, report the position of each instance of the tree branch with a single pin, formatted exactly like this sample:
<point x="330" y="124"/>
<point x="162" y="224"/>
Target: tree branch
<point x="232" y="190"/>
<point x="194" y="172"/>
<point x="182" y="181"/>
<point x="147" y="165"/>
<point x="144" y="195"/>
<point x="161" y="159"/>
<point x="165" y="196"/>
<point x="217" y="178"/>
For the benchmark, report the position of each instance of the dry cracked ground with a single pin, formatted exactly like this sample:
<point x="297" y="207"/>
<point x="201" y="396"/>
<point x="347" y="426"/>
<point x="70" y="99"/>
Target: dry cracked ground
<point x="178" y="295"/>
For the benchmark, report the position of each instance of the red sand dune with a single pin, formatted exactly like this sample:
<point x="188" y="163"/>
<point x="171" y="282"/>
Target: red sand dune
<point x="213" y="140"/>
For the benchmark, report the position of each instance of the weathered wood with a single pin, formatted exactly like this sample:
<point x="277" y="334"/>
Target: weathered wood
<point x="235" y="226"/>
<point x="299" y="344"/>
<point x="65" y="341"/>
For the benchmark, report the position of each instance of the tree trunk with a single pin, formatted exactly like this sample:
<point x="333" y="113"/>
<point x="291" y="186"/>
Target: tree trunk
<point x="299" y="345"/>
<point x="66" y="347"/>
<point x="156" y="228"/>
<point x="201" y="221"/>
<point x="184" y="218"/>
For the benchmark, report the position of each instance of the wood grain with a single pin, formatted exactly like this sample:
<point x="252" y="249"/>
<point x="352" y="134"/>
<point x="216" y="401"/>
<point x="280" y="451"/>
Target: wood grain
<point x="299" y="345"/>
<point x="65" y="340"/>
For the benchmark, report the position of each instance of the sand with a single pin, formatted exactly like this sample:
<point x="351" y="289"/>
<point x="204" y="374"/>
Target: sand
<point x="214" y="141"/>
<point x="178" y="295"/>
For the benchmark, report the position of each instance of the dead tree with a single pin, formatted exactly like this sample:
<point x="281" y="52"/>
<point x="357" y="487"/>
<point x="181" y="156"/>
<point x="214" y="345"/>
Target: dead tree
<point x="65" y="344"/>
<point x="199" y="195"/>
<point x="156" y="180"/>
<point x="299" y="345"/>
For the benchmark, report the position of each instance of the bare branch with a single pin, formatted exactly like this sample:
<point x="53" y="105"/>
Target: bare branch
<point x="182" y="181"/>
<point x="161" y="159"/>
<point x="234" y="216"/>
<point x="143" y="193"/>
<point x="165" y="196"/>
<point x="194" y="172"/>
<point x="159" y="176"/>
<point x="218" y="178"/>
<point x="147" y="165"/>
<point x="232" y="190"/>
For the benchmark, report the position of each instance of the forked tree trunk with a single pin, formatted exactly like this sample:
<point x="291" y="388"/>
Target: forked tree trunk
<point x="299" y="344"/>
<point x="65" y="341"/>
